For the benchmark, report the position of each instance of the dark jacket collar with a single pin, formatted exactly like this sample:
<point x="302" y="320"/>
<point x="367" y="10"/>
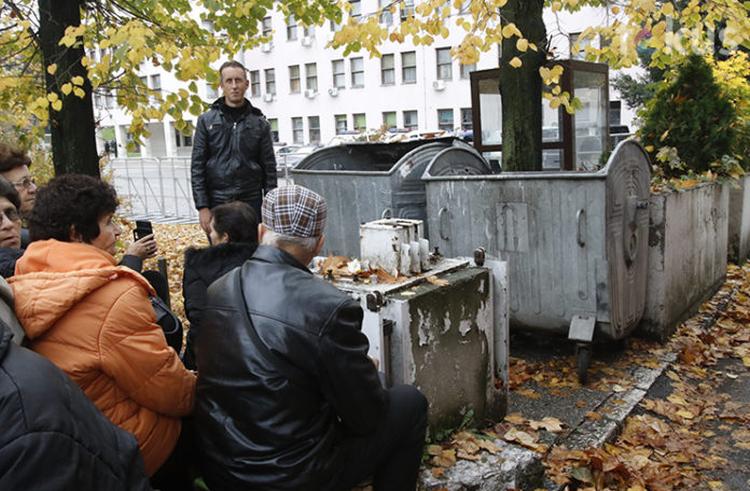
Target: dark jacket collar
<point x="218" y="104"/>
<point x="194" y="256"/>
<point x="271" y="254"/>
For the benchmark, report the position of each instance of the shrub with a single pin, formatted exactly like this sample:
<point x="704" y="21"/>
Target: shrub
<point x="731" y="75"/>
<point x="692" y="119"/>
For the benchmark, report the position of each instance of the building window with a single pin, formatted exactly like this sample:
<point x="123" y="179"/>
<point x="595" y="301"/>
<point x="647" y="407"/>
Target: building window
<point x="274" y="129"/>
<point x="467" y="69"/>
<point x="335" y="27"/>
<point x="387" y="70"/>
<point x="356" y="8"/>
<point x="291" y="28"/>
<point x="109" y="99"/>
<point x="580" y="52"/>
<point x="410" y="120"/>
<point x="211" y="92"/>
<point x="266" y="26"/>
<point x="181" y="140"/>
<point x="294" y="80"/>
<point x="409" y="67"/>
<point x="615" y="113"/>
<point x="444" y="64"/>
<point x="467" y="124"/>
<point x="340" y="123"/>
<point x="308" y="31"/>
<point x="360" y="122"/>
<point x="339" y="77"/>
<point x="313" y="128"/>
<point x="407" y="9"/>
<point x="389" y="119"/>
<point x="255" y="83"/>
<point x="358" y="72"/>
<point x="156" y="83"/>
<point x="386" y="16"/>
<point x="270" y="81"/>
<point x="311" y="76"/>
<point x="298" y="131"/>
<point x="445" y="119"/>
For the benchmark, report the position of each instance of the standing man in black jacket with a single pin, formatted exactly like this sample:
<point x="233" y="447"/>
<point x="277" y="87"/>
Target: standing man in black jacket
<point x="233" y="158"/>
<point x="287" y="398"/>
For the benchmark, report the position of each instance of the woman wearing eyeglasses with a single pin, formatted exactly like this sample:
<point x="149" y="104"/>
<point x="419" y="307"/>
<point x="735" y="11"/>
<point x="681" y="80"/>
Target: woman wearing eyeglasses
<point x="10" y="228"/>
<point x="14" y="166"/>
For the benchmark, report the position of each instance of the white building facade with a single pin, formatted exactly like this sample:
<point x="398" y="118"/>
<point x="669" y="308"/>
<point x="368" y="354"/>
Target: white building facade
<point x="311" y="93"/>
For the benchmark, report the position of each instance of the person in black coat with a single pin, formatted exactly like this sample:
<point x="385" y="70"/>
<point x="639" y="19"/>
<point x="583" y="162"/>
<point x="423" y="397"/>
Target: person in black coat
<point x="234" y="237"/>
<point x="53" y="437"/>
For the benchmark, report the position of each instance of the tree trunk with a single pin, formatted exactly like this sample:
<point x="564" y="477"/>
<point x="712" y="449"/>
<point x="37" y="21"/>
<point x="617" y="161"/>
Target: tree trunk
<point x="521" y="88"/>
<point x="73" y="127"/>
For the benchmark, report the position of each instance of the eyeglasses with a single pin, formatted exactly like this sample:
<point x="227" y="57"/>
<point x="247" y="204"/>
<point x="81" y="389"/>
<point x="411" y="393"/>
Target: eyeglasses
<point x="11" y="214"/>
<point x="24" y="183"/>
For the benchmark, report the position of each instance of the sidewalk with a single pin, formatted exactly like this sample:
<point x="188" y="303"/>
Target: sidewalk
<point x="676" y="414"/>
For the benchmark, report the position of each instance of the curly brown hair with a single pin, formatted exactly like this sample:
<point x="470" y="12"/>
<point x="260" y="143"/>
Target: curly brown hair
<point x="12" y="157"/>
<point x="71" y="202"/>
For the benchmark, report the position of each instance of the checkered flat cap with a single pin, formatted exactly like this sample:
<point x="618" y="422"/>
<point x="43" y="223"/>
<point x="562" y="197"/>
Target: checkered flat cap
<point x="294" y="211"/>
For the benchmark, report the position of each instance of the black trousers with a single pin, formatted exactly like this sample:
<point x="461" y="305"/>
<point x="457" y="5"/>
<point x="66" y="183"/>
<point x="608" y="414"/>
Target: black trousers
<point x="392" y="455"/>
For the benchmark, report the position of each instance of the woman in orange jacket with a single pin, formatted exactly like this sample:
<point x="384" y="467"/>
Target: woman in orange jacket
<point x="94" y="320"/>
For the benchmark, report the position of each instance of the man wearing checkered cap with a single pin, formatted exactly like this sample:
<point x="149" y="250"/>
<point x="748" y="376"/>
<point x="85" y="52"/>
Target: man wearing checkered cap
<point x="287" y="397"/>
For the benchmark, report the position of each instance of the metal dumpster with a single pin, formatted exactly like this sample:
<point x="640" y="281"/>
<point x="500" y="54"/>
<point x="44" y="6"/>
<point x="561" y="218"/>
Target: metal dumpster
<point x="368" y="181"/>
<point x="576" y="243"/>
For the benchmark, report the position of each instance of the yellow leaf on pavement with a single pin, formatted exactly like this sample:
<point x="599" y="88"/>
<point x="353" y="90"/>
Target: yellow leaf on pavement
<point x="516" y="62"/>
<point x="685" y="414"/>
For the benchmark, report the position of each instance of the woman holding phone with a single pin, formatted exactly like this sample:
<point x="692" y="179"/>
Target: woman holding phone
<point x="94" y="320"/>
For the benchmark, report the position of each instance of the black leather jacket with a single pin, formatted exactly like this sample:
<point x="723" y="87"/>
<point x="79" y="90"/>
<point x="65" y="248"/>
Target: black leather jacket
<point x="52" y="436"/>
<point x="232" y="161"/>
<point x="272" y="417"/>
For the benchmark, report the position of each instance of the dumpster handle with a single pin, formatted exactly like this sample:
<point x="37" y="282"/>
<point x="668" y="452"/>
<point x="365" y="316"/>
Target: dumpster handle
<point x="441" y="213"/>
<point x="387" y="213"/>
<point x="581" y="222"/>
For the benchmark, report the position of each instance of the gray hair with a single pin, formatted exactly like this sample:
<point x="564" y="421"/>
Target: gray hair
<point x="272" y="238"/>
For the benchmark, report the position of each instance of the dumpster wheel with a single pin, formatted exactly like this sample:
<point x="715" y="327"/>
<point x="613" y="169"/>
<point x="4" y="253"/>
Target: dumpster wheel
<point x="583" y="360"/>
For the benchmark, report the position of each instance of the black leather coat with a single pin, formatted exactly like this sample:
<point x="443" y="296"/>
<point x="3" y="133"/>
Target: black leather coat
<point x="232" y="161"/>
<point x="203" y="267"/>
<point x="52" y="436"/>
<point x="270" y="416"/>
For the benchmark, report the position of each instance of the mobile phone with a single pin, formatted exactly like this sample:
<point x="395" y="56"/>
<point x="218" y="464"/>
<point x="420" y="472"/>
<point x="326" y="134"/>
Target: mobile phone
<point x="142" y="229"/>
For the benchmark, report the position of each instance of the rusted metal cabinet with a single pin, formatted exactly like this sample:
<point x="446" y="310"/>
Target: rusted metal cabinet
<point x="576" y="243"/>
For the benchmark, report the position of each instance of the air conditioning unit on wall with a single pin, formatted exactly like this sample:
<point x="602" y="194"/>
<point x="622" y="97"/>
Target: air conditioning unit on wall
<point x="438" y="85"/>
<point x="266" y="47"/>
<point x="268" y="97"/>
<point x="311" y="93"/>
<point x="306" y="41"/>
<point x="333" y="91"/>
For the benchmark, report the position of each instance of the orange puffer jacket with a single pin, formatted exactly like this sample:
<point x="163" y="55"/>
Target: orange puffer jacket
<point x="94" y="320"/>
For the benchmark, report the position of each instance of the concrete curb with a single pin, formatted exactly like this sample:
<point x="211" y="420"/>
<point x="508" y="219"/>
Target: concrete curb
<point x="516" y="467"/>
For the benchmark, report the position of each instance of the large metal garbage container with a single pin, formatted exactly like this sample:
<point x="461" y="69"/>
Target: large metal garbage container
<point x="368" y="181"/>
<point x="576" y="243"/>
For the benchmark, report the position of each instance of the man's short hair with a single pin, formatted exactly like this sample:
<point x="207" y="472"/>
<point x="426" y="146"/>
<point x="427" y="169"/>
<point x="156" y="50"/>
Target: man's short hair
<point x="231" y="64"/>
<point x="294" y="211"/>
<point x="12" y="157"/>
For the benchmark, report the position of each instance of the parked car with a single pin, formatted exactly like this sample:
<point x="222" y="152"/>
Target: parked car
<point x="287" y="160"/>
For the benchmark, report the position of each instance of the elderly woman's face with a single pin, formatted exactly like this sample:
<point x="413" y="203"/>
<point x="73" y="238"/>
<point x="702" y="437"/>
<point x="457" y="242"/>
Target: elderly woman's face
<point x="10" y="227"/>
<point x="109" y="231"/>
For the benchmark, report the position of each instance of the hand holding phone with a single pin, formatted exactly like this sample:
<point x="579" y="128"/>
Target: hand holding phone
<point x="142" y="229"/>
